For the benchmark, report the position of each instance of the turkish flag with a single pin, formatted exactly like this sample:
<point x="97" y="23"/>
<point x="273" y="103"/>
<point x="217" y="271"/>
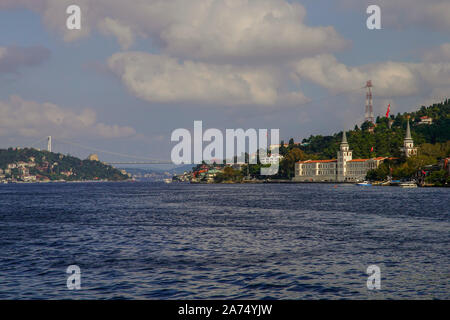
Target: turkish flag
<point x="371" y="149"/>
<point x="388" y="110"/>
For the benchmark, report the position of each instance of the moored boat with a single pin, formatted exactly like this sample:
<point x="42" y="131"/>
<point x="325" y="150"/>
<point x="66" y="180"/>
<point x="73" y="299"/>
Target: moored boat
<point x="364" y="184"/>
<point x="409" y="184"/>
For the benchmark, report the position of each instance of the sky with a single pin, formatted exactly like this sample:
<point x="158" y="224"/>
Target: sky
<point x="139" y="69"/>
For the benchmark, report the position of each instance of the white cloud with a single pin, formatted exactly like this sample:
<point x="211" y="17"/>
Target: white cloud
<point x="242" y="29"/>
<point x="216" y="30"/>
<point x="123" y="34"/>
<point x="158" y="78"/>
<point x="390" y="79"/>
<point x="210" y="51"/>
<point x="220" y="51"/>
<point x="29" y="118"/>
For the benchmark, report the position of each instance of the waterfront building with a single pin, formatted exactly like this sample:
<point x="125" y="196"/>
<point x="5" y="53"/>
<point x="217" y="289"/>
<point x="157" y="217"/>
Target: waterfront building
<point x="342" y="169"/>
<point x="345" y="168"/>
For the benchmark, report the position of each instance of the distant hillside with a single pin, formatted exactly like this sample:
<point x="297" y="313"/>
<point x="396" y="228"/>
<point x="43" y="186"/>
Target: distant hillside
<point x="33" y="165"/>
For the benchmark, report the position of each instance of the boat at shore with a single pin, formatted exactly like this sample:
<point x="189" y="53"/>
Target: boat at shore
<point x="364" y="184"/>
<point x="409" y="184"/>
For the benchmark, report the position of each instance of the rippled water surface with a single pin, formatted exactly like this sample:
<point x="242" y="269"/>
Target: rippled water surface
<point x="181" y="241"/>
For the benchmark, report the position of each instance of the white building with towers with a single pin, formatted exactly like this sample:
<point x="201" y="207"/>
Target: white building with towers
<point x="342" y="169"/>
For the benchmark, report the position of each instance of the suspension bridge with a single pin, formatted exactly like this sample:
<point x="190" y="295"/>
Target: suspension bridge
<point x="63" y="146"/>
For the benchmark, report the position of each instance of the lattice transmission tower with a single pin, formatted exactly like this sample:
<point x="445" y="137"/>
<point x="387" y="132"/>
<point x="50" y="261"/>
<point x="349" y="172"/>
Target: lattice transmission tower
<point x="369" y="106"/>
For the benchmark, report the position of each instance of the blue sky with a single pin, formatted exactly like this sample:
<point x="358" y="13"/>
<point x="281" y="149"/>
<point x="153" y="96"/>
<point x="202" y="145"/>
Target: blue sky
<point x="113" y="72"/>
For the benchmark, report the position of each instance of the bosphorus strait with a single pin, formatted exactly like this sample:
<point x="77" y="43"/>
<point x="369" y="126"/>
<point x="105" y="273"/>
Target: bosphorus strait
<point x="244" y="241"/>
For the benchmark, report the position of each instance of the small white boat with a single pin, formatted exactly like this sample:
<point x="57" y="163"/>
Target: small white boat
<point x="364" y="184"/>
<point x="168" y="180"/>
<point x="408" y="185"/>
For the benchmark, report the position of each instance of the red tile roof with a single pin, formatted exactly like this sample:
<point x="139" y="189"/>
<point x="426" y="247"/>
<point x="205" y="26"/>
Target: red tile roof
<point x="317" y="161"/>
<point x="353" y="160"/>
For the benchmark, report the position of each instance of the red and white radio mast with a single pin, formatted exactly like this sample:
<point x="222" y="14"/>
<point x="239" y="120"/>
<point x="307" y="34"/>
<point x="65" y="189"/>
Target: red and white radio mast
<point x="369" y="106"/>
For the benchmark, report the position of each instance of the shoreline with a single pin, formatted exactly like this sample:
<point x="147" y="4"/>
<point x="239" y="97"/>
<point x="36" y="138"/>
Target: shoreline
<point x="312" y="182"/>
<point x="58" y="181"/>
<point x="229" y="182"/>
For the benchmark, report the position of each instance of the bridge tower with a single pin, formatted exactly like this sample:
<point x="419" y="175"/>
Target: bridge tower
<point x="49" y="143"/>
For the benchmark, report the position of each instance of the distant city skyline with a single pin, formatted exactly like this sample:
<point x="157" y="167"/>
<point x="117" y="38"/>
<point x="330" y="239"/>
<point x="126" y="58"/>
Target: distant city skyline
<point x="138" y="70"/>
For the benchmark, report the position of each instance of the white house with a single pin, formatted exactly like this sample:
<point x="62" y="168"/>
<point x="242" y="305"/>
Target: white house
<point x="426" y="120"/>
<point x="273" y="159"/>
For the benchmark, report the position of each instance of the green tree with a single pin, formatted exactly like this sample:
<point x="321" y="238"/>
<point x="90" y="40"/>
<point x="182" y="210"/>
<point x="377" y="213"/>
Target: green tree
<point x="438" y="178"/>
<point x="379" y="174"/>
<point x="287" y="165"/>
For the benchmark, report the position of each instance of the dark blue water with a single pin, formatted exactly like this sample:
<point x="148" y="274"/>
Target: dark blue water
<point x="181" y="241"/>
